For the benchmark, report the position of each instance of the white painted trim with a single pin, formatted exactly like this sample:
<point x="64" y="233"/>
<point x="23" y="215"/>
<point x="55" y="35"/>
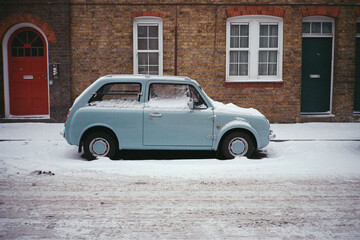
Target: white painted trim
<point x="319" y="19"/>
<point x="254" y="22"/>
<point x="332" y="35"/>
<point x="6" y="67"/>
<point x="147" y="20"/>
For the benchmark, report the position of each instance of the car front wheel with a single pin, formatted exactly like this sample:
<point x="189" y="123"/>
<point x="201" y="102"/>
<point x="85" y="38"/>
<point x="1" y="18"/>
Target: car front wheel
<point x="237" y="144"/>
<point x="99" y="144"/>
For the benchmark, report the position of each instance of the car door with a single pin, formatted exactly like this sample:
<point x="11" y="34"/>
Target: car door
<point x="169" y="121"/>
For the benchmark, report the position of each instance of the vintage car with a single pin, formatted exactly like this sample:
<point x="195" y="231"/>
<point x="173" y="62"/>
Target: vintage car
<point x="138" y="112"/>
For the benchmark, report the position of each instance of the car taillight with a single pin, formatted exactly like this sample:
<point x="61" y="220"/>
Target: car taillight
<point x="67" y="115"/>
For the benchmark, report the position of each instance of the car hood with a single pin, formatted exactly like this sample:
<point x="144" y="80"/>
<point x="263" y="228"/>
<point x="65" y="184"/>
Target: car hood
<point x="234" y="109"/>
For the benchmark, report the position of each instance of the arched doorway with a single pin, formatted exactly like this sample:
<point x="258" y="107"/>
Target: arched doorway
<point x="27" y="69"/>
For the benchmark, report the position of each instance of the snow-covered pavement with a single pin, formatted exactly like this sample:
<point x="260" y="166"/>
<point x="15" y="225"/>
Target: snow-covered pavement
<point x="305" y="149"/>
<point x="304" y="185"/>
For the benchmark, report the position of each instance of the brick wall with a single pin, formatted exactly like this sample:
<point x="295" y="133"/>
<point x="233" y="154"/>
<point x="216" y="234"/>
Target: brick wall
<point x="194" y="44"/>
<point x="102" y="44"/>
<point x="54" y="21"/>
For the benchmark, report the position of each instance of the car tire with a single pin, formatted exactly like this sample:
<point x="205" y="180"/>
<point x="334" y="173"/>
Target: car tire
<point x="99" y="144"/>
<point x="237" y="144"/>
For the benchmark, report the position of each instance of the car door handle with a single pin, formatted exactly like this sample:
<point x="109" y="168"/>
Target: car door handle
<point x="156" y="115"/>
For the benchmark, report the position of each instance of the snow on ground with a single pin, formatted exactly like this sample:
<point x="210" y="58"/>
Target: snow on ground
<point x="304" y="185"/>
<point x="305" y="149"/>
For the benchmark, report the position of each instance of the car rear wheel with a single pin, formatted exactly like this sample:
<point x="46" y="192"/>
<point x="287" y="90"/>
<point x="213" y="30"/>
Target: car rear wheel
<point x="99" y="144"/>
<point x="237" y="144"/>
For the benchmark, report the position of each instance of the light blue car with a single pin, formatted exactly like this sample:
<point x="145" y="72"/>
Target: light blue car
<point x="136" y="112"/>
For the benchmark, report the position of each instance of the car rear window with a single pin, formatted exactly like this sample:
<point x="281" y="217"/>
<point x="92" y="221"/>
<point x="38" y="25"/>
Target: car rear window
<point x="116" y="94"/>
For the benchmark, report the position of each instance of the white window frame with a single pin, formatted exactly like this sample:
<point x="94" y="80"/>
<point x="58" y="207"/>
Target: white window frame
<point x="320" y="19"/>
<point x="254" y="22"/>
<point x="149" y="21"/>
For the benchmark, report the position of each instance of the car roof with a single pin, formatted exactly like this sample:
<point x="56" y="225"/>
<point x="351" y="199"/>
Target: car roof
<point x="145" y="78"/>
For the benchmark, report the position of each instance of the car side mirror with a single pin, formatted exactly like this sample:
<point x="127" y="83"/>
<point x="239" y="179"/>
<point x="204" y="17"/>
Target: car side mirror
<point x="191" y="104"/>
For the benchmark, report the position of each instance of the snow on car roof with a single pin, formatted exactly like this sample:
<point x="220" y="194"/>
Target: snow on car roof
<point x="146" y="77"/>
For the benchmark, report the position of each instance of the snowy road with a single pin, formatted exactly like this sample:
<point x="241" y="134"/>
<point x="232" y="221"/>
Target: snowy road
<point x="299" y="189"/>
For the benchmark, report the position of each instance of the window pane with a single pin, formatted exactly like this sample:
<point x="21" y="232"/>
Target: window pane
<point x="153" y="44"/>
<point x="234" y="42"/>
<point x="143" y="69"/>
<point x="27" y="52"/>
<point x="14" y="52"/>
<point x="264" y="42"/>
<point x="234" y="70"/>
<point x="234" y="31"/>
<point x="142" y="44"/>
<point x="264" y="30"/>
<point x="262" y="69"/>
<point x="37" y="43"/>
<point x="244" y="30"/>
<point x="22" y="37"/>
<point x="32" y="36"/>
<point x="272" y="69"/>
<point x="41" y="52"/>
<point x="153" y="70"/>
<point x="153" y="59"/>
<point x="143" y="59"/>
<point x="153" y="31"/>
<point x="315" y="27"/>
<point x="243" y="69"/>
<point x="244" y="42"/>
<point x="263" y="56"/>
<point x="34" y="52"/>
<point x="142" y="31"/>
<point x="244" y="56"/>
<point x="234" y="57"/>
<point x="273" y="42"/>
<point x="306" y="27"/>
<point x="358" y="27"/>
<point x="327" y="27"/>
<point x="273" y="30"/>
<point x="272" y="56"/>
<point x="21" y="52"/>
<point x="16" y="43"/>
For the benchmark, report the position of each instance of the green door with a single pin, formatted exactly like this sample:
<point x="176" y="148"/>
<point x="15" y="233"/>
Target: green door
<point x="357" y="77"/>
<point x="316" y="75"/>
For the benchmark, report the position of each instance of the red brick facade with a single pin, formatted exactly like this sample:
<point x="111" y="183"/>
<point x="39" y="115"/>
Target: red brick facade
<point x="194" y="45"/>
<point x="321" y="11"/>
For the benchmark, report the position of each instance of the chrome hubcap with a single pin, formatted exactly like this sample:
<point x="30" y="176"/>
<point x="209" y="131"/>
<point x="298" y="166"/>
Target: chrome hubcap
<point x="238" y="147"/>
<point x="99" y="147"/>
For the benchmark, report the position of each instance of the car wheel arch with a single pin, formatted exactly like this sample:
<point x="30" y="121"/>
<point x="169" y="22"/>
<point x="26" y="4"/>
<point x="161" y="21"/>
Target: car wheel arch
<point x="93" y="129"/>
<point x="243" y="130"/>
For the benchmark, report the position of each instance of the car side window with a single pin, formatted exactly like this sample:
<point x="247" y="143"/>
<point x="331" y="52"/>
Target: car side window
<point x="198" y="100"/>
<point x="174" y="96"/>
<point x="116" y="94"/>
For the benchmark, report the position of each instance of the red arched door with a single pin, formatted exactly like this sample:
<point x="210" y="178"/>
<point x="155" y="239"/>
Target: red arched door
<point x="28" y="84"/>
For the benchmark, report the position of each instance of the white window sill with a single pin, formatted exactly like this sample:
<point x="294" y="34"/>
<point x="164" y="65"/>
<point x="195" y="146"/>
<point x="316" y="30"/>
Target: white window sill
<point x="254" y="81"/>
<point x="14" y="117"/>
